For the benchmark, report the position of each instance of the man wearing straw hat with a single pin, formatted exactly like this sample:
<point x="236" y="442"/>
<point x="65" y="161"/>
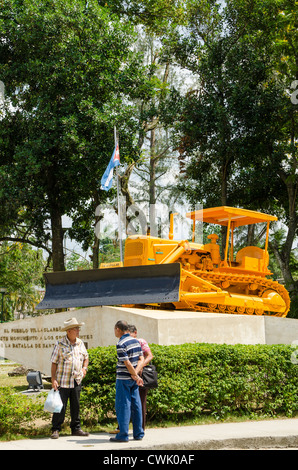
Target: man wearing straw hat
<point x="69" y="366"/>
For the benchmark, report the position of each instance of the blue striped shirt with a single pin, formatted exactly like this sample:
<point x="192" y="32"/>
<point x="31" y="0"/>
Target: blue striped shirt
<point x="128" y="348"/>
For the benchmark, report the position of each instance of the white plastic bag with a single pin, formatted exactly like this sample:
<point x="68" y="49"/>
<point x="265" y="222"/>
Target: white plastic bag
<point x="53" y="403"/>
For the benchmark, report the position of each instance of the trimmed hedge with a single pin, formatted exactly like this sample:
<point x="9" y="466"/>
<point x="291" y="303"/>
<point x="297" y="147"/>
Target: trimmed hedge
<point x="204" y="378"/>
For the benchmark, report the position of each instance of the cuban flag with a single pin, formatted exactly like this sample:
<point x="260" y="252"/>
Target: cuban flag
<point x="107" y="179"/>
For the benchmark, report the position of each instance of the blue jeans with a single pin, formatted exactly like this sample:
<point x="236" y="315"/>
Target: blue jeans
<point x="128" y="405"/>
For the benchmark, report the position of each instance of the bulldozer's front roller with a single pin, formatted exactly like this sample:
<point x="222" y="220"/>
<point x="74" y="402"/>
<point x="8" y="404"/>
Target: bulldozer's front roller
<point x="146" y="284"/>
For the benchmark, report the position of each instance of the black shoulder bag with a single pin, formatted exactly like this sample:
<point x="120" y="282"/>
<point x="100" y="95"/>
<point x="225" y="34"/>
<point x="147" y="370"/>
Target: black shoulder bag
<point x="149" y="376"/>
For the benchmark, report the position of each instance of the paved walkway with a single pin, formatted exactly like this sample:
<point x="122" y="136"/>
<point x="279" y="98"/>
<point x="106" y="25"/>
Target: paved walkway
<point x="279" y="433"/>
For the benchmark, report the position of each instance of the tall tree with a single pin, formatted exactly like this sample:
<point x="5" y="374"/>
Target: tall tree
<point x="240" y="122"/>
<point x="271" y="169"/>
<point x="155" y="20"/>
<point x="69" y="71"/>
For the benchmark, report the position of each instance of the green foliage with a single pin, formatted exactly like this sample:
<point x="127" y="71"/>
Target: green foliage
<point x="200" y="379"/>
<point x="17" y="412"/>
<point x="109" y="250"/>
<point x="236" y="130"/>
<point x="77" y="262"/>
<point x="156" y="15"/>
<point x="74" y="76"/>
<point x="21" y="269"/>
<point x="195" y="381"/>
<point x="98" y="396"/>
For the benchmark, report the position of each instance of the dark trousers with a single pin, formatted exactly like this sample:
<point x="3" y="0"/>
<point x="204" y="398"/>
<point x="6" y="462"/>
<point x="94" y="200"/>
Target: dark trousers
<point x="73" y="395"/>
<point x="143" y="395"/>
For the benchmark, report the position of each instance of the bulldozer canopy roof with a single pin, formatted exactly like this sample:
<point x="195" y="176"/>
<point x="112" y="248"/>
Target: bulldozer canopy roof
<point x="221" y="216"/>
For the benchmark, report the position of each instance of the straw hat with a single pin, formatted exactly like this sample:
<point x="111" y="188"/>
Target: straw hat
<point x="71" y="323"/>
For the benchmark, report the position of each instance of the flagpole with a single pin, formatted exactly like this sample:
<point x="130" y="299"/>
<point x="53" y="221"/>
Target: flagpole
<point x="118" y="202"/>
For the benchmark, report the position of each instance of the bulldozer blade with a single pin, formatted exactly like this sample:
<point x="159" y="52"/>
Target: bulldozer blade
<point x="112" y="286"/>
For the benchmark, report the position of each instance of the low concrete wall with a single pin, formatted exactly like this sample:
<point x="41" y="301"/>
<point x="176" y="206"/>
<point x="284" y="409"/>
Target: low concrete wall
<point x="280" y="330"/>
<point x="30" y="341"/>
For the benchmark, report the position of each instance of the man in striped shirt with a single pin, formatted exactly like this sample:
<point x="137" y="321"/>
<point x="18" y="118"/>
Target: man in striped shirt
<point x="128" y="403"/>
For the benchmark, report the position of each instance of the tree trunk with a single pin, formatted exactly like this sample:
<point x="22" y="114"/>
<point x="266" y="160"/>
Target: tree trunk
<point x="57" y="240"/>
<point x="224" y="192"/>
<point x="95" y="247"/>
<point x="283" y="255"/>
<point x="152" y="189"/>
<point x="250" y="234"/>
<point x="95" y="253"/>
<point x="283" y="258"/>
<point x="56" y="219"/>
<point x="129" y="201"/>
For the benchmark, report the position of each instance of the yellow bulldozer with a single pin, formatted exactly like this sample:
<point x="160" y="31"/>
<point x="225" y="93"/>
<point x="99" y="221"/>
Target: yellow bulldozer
<point x="171" y="274"/>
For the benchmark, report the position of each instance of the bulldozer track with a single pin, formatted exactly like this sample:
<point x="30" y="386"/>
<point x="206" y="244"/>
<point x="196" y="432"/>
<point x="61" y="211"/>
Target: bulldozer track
<point x="263" y="284"/>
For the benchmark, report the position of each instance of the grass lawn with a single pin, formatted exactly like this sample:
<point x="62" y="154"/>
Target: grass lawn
<point x="18" y="382"/>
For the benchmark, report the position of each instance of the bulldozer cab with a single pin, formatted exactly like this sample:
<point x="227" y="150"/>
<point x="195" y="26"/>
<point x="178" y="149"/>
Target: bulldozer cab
<point x="250" y="258"/>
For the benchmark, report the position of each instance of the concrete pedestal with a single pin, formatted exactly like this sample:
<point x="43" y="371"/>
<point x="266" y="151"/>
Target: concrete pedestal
<point x="30" y="341"/>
